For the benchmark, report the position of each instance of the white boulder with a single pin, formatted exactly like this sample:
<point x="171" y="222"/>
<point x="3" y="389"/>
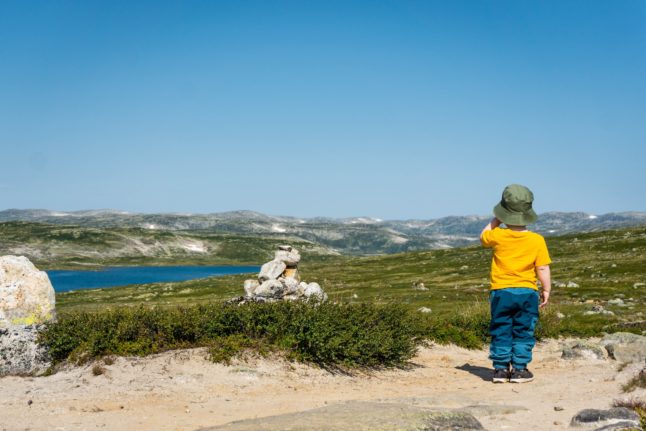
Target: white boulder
<point x="26" y="294"/>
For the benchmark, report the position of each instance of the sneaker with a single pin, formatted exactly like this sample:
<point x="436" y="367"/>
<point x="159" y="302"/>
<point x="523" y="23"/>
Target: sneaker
<point x="521" y="376"/>
<point x="500" y="375"/>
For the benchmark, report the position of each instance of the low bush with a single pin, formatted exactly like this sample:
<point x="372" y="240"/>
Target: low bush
<point x="364" y="335"/>
<point x="328" y="334"/>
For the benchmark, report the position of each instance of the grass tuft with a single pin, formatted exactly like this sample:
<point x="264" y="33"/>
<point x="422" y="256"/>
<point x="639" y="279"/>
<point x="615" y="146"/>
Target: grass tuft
<point x="637" y="381"/>
<point x="638" y="405"/>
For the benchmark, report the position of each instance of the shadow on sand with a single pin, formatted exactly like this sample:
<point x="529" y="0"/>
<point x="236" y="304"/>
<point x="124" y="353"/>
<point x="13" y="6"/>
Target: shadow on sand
<point x="483" y="372"/>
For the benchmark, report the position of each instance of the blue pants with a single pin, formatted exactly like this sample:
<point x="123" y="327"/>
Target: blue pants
<point x="514" y="313"/>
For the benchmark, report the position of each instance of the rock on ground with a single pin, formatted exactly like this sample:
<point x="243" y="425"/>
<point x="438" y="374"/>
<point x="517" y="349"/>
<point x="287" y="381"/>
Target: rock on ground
<point x="313" y="290"/>
<point x="582" y="349"/>
<point x="625" y="347"/>
<point x="20" y="354"/>
<point x="360" y="416"/>
<point x="607" y="419"/>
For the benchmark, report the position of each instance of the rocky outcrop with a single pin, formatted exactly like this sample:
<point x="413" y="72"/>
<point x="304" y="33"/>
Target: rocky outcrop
<point x="26" y="302"/>
<point x="625" y="347"/>
<point x="361" y="416"/>
<point x="279" y="280"/>
<point x="20" y="353"/>
<point x="26" y="294"/>
<point x="613" y="419"/>
<point x="581" y="349"/>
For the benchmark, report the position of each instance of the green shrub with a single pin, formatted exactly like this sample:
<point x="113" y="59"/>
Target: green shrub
<point x="365" y="335"/>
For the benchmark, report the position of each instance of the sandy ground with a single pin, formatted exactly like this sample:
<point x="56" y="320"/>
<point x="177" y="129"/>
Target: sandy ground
<point x="182" y="390"/>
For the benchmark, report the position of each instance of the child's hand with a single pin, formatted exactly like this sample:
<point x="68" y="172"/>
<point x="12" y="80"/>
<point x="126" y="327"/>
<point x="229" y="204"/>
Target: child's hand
<point x="545" y="296"/>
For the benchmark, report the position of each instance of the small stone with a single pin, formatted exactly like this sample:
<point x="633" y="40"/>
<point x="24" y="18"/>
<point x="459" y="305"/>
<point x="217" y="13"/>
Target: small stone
<point x="314" y="290"/>
<point x="292" y="273"/>
<point x="250" y="287"/>
<point x="289" y="258"/>
<point x="355" y="296"/>
<point x="290" y="285"/>
<point x="571" y="284"/>
<point x="558" y="409"/>
<point x="560" y="315"/>
<point x="271" y="270"/>
<point x="424" y="310"/>
<point x="269" y="289"/>
<point x="638" y="285"/>
<point x="463" y="267"/>
<point x="617" y="301"/>
<point x="419" y="286"/>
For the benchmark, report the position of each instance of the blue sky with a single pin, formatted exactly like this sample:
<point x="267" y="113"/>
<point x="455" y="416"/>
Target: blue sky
<point x="391" y="109"/>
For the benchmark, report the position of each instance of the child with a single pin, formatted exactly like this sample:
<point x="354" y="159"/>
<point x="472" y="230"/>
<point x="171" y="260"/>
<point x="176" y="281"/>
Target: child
<point x="519" y="257"/>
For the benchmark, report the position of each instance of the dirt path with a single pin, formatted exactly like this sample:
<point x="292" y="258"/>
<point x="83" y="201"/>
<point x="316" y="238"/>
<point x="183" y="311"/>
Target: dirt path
<point x="184" y="391"/>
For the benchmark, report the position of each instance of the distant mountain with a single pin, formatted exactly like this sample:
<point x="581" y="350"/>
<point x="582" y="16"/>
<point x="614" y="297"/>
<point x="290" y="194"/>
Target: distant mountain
<point x="359" y="235"/>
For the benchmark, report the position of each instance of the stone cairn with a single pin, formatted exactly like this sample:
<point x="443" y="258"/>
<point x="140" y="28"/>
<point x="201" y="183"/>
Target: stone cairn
<point x="26" y="304"/>
<point x="279" y="280"/>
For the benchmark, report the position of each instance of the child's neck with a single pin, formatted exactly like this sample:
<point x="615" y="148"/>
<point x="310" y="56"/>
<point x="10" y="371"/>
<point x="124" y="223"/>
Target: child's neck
<point x="517" y="228"/>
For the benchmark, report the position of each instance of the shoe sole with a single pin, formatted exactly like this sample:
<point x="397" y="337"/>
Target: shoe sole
<point x="499" y="380"/>
<point x="521" y="380"/>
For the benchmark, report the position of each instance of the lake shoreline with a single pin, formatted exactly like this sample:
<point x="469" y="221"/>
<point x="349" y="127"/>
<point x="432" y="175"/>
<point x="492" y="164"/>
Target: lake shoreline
<point x="65" y="280"/>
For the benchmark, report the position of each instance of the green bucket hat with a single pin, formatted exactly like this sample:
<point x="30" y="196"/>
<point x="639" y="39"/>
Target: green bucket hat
<point x="515" y="207"/>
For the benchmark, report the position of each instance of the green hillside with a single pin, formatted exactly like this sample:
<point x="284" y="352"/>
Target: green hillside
<point x="58" y="247"/>
<point x="605" y="265"/>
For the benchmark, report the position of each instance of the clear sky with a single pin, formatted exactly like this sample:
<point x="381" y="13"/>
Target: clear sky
<point x="391" y="109"/>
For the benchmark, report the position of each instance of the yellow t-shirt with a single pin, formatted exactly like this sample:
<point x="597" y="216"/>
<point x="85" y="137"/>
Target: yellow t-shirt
<point x="515" y="257"/>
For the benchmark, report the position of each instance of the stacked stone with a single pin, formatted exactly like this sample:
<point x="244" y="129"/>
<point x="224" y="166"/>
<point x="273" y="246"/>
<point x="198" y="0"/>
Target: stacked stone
<point x="279" y="279"/>
<point x="26" y="303"/>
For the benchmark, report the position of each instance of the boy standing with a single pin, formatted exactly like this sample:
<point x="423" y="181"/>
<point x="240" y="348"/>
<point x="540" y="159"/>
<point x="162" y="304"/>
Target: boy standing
<point x="519" y="258"/>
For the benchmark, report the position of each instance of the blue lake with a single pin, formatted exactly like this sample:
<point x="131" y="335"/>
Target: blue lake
<point x="64" y="280"/>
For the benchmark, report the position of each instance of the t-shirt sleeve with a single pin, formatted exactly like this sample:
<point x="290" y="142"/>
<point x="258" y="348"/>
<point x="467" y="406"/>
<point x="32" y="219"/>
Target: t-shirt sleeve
<point x="543" y="256"/>
<point x="488" y="238"/>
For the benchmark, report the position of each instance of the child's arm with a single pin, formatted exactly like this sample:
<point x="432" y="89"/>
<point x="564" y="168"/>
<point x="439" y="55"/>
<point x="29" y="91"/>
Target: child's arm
<point x="494" y="223"/>
<point x="544" y="275"/>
